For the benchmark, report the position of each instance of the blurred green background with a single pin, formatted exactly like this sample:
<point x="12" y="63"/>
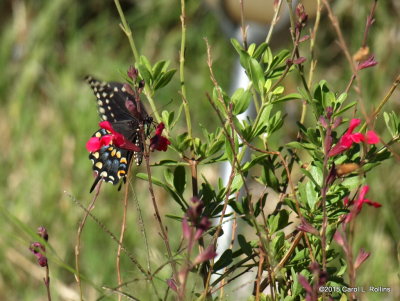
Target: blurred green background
<point x="48" y="112"/>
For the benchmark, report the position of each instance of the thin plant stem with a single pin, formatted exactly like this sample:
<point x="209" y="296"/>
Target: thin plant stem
<point x="259" y="272"/>
<point x="78" y="239"/>
<point x="342" y="42"/>
<point x="123" y="227"/>
<point x="314" y="61"/>
<point x="128" y="32"/>
<point x="313" y="38"/>
<point x="164" y="233"/>
<point x="243" y="27"/>
<point x="142" y="228"/>
<point x="46" y="281"/>
<point x="383" y="101"/>
<point x="182" y="69"/>
<point x="343" y="46"/>
<point x="113" y="237"/>
<point x="370" y="20"/>
<point x="277" y="9"/>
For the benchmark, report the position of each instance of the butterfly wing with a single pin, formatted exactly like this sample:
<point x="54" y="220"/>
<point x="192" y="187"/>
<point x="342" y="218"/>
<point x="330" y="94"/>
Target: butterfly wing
<point x="110" y="163"/>
<point x="111" y="99"/>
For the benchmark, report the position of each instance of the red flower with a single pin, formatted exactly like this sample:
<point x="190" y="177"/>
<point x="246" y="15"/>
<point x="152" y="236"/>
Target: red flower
<point x="361" y="257"/>
<point x="370" y="62"/>
<point x="206" y="255"/>
<point x="159" y="142"/>
<point x="347" y="140"/>
<point x="359" y="204"/>
<point x="39" y="250"/>
<point x="96" y="143"/>
<point x="362" y="200"/>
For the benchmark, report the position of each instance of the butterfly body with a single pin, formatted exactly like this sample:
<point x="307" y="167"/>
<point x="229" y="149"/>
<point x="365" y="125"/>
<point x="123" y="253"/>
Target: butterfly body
<point x="117" y="106"/>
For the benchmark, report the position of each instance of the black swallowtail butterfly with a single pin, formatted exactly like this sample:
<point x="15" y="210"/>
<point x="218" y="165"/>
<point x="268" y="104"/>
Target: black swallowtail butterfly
<point x="111" y="162"/>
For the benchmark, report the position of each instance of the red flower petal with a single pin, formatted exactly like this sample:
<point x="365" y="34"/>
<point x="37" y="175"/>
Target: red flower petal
<point x="158" y="142"/>
<point x="107" y="126"/>
<point x="374" y="204"/>
<point x="357" y="137"/>
<point x="364" y="190"/>
<point x="93" y="144"/>
<point x="118" y="139"/>
<point x="346" y="141"/>
<point x="353" y="124"/>
<point x="160" y="129"/>
<point x="370" y="62"/>
<point x="372" y="137"/>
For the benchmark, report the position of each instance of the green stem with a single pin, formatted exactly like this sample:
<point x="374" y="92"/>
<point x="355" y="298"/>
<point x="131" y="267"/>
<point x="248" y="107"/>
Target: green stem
<point x="182" y="70"/>
<point x="128" y="32"/>
<point x="125" y="27"/>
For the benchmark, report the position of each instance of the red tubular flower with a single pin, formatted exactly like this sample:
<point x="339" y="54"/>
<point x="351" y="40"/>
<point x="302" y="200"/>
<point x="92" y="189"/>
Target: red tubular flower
<point x="207" y="254"/>
<point x="370" y="62"/>
<point x="159" y="142"/>
<point x="362" y="200"/>
<point x="359" y="204"/>
<point x="361" y="257"/>
<point x="306" y="227"/>
<point x="96" y="143"/>
<point x="347" y="140"/>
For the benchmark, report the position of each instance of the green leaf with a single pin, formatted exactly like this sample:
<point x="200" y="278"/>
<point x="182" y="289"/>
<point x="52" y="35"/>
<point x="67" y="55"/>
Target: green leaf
<point x="300" y="255"/>
<point x="237" y="183"/>
<point x="278" y="221"/>
<point x="343" y="267"/>
<point x="251" y="48"/>
<point x="164" y="79"/>
<point x="224" y="260"/>
<point x="237" y="207"/>
<point x="180" y="179"/>
<point x="158" y="68"/>
<point x="260" y="50"/>
<point x="241" y="100"/>
<point x="259" y="206"/>
<point x="345" y="108"/>
<point x="228" y="150"/>
<point x="244" y="57"/>
<point x="145" y="62"/>
<point x="182" y="142"/>
<point x="237" y="45"/>
<point x="244" y="245"/>
<point x="256" y="75"/>
<point x="169" y="163"/>
<point x="297" y="288"/>
<point x="145" y="74"/>
<point x="278" y="90"/>
<point x="352" y="182"/>
<point x="342" y="97"/>
<point x="392" y="123"/>
<point x="288" y="97"/>
<point x="311" y="195"/>
<point x="169" y="177"/>
<point x="268" y="176"/>
<point x="278" y="242"/>
<point x="180" y="201"/>
<point x="168" y="118"/>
